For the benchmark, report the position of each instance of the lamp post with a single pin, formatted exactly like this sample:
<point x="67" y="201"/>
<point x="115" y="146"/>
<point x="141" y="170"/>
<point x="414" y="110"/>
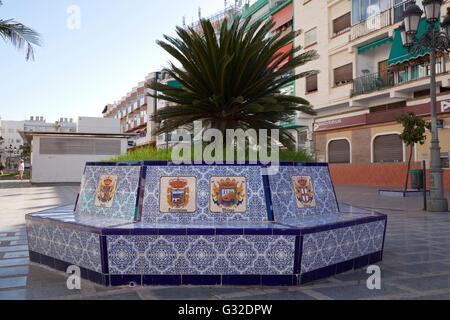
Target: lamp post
<point x="435" y="40"/>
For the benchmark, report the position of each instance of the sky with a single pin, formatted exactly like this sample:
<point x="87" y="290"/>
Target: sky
<point x="77" y="71"/>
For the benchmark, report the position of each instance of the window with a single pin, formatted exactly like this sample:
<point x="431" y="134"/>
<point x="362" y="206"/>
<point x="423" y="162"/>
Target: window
<point x="141" y="100"/>
<point x="339" y="151"/>
<point x="388" y="148"/>
<point x="311" y="83"/>
<point x="343" y="75"/>
<point x="400" y="6"/>
<point x="364" y="9"/>
<point x="310" y="37"/>
<point x="341" y="24"/>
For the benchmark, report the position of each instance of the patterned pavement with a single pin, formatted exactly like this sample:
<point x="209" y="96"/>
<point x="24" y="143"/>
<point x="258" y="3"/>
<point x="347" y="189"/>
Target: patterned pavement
<point x="416" y="262"/>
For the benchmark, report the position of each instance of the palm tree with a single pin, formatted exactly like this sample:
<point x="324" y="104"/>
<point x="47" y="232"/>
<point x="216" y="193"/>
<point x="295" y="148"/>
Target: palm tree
<point x="19" y="35"/>
<point x="232" y="80"/>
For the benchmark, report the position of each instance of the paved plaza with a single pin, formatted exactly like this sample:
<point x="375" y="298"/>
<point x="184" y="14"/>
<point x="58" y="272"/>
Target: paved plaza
<point x="416" y="262"/>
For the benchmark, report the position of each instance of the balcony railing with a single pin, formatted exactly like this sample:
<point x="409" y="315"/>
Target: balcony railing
<point x="371" y="24"/>
<point x="394" y="76"/>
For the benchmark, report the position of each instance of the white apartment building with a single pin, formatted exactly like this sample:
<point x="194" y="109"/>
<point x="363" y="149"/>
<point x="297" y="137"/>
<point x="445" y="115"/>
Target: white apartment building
<point x="365" y="79"/>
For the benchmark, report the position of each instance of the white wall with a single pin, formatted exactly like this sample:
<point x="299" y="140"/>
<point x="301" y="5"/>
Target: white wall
<point x="98" y="125"/>
<point x="62" y="168"/>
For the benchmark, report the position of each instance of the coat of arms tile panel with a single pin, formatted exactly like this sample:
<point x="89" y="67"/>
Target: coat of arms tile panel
<point x="222" y="193"/>
<point x="302" y="191"/>
<point x="109" y="191"/>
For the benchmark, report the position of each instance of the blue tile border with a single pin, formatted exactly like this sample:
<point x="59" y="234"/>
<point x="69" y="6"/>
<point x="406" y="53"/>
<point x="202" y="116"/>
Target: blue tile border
<point x="161" y="280"/>
<point x="232" y="280"/>
<point x="298" y="254"/>
<point x="334" y="190"/>
<point x="241" y="280"/>
<point x="209" y="280"/>
<point x="268" y="197"/>
<point x="104" y="254"/>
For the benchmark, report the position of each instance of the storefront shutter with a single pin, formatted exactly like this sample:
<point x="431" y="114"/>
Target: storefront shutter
<point x="388" y="148"/>
<point x="311" y="83"/>
<point x="342" y="23"/>
<point x="343" y="74"/>
<point x="339" y="151"/>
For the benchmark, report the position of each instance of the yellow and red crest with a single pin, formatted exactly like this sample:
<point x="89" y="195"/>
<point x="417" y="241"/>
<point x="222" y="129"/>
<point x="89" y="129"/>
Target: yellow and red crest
<point x="228" y="194"/>
<point x="178" y="193"/>
<point x="106" y="191"/>
<point x="304" y="192"/>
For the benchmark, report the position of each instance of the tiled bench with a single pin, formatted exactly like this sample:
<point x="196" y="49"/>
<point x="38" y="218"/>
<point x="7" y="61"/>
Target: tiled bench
<point x="164" y="239"/>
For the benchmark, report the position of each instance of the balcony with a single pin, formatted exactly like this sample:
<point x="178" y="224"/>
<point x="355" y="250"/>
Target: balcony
<point x="393" y="76"/>
<point x="372" y="24"/>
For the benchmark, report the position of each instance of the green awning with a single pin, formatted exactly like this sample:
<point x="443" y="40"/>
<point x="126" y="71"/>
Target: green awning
<point x="399" y="53"/>
<point x="374" y="44"/>
<point x="174" y="83"/>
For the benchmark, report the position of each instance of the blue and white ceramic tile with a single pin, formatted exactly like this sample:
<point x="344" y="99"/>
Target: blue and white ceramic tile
<point x="334" y="246"/>
<point x="256" y="203"/>
<point x="283" y="195"/>
<point x="73" y="246"/>
<point x="124" y="204"/>
<point x="201" y="255"/>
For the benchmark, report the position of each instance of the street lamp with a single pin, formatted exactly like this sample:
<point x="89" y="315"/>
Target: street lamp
<point x="434" y="40"/>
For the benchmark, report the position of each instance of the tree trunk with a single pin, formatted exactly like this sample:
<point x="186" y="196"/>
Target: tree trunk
<point x="409" y="166"/>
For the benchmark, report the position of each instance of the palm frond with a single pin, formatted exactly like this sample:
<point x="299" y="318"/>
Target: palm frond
<point x="232" y="79"/>
<point x="20" y="36"/>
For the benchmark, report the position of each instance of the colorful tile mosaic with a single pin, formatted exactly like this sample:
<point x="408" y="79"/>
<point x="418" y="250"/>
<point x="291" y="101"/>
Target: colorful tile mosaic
<point x="286" y="192"/>
<point x="201" y="255"/>
<point x="65" y="244"/>
<point x="97" y="198"/>
<point x="244" y="201"/>
<point x="331" y="247"/>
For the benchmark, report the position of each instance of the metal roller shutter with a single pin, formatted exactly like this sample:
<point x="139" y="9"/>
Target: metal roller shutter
<point x="388" y="148"/>
<point x="343" y="74"/>
<point x="342" y="23"/>
<point x="339" y="151"/>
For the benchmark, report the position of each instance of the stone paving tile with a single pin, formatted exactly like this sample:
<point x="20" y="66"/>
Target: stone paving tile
<point x="16" y="254"/>
<point x="358" y="292"/>
<point x="123" y="296"/>
<point x="13" y="271"/>
<point x="6" y="283"/>
<point x="10" y="238"/>
<point x="427" y="283"/>
<point x="13" y="248"/>
<point x="420" y="268"/>
<point x="279" y="296"/>
<point x="171" y="293"/>
<point x="20" y="294"/>
<point x="13" y="262"/>
<point x="442" y="296"/>
<point x="49" y="292"/>
<point x="17" y="242"/>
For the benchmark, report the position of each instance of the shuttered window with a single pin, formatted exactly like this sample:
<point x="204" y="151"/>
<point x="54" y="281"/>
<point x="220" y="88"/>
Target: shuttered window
<point x="310" y="37"/>
<point x="343" y="74"/>
<point x="311" y="83"/>
<point x="339" y="151"/>
<point x="341" y="24"/>
<point x="388" y="148"/>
